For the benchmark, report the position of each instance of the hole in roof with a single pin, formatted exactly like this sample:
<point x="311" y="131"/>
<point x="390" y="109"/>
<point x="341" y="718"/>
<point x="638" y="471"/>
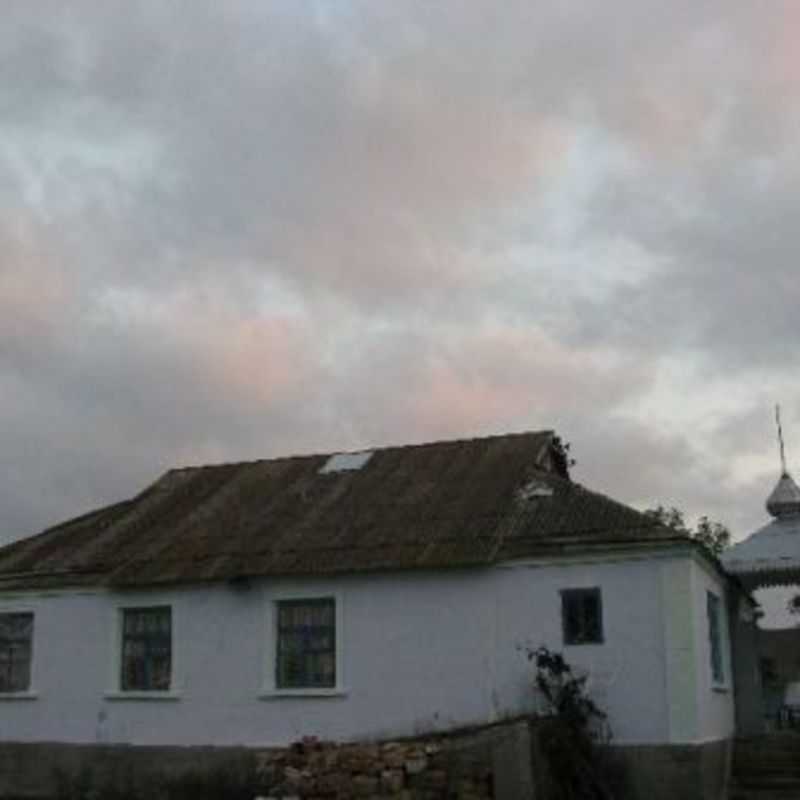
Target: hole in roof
<point x="346" y="462"/>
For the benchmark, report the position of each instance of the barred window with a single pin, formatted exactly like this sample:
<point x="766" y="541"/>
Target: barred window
<point x="16" y="651"/>
<point x="146" y="649"/>
<point x="306" y="644"/>
<point x="582" y="616"/>
<point x="713" y="609"/>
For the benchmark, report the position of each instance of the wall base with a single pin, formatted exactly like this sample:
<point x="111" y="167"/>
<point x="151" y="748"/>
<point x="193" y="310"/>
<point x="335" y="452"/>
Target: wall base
<point x="31" y="770"/>
<point x="492" y="761"/>
<point x="666" y="772"/>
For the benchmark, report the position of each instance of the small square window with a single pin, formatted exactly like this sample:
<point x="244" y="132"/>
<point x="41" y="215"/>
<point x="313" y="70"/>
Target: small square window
<point x="582" y="616"/>
<point x="306" y="644"/>
<point x="16" y="651"/>
<point x="146" y="649"/>
<point x="713" y="608"/>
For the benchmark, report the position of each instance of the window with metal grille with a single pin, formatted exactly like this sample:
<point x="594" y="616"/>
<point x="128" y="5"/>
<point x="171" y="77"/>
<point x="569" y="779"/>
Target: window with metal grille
<point x="306" y="645"/>
<point x="713" y="607"/>
<point x="582" y="616"/>
<point x="16" y="651"/>
<point x="146" y="649"/>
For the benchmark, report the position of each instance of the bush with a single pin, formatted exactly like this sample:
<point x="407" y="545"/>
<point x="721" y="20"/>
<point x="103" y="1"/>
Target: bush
<point x="569" y="734"/>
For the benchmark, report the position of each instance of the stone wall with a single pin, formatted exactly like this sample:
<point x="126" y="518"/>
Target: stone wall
<point x="413" y="769"/>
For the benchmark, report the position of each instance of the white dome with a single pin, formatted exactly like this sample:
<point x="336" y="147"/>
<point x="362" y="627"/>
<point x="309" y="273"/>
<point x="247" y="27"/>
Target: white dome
<point x="785" y="497"/>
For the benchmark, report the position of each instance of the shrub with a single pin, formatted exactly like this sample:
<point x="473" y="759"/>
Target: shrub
<point x="569" y="734"/>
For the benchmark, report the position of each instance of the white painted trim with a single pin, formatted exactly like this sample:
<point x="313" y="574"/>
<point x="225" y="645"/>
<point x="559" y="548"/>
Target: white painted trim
<point x="604" y="557"/>
<point x="269" y="690"/>
<point x="277" y="694"/>
<point x="30" y="693"/>
<point x="14" y="595"/>
<point x="26" y="695"/>
<point x="114" y="690"/>
<point x="140" y="695"/>
<point x="726" y="683"/>
<point x="621" y="553"/>
<point x="17" y="608"/>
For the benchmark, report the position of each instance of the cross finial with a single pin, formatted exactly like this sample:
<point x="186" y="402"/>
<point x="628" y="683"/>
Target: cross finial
<point x="780" y="439"/>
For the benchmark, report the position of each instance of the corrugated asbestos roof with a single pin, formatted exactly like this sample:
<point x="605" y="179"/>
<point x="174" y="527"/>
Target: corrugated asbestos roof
<point x="448" y="504"/>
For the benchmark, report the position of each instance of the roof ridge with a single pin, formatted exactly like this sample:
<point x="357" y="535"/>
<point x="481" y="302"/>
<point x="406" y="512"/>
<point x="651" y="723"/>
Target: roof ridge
<point x="372" y="449"/>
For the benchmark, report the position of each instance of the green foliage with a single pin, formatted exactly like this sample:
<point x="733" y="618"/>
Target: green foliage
<point x="668" y="517"/>
<point x="563" y="691"/>
<point x="714" y="536"/>
<point x="569" y="735"/>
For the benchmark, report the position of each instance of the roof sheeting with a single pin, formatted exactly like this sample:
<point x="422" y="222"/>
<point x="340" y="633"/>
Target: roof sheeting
<point x="446" y="504"/>
<point x="775" y="548"/>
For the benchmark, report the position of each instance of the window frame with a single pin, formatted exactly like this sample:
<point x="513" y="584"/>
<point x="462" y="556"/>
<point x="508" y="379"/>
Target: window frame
<point x="582" y="592"/>
<point x="269" y="688"/>
<point x="116" y="690"/>
<point x="716" y="643"/>
<point x="30" y="692"/>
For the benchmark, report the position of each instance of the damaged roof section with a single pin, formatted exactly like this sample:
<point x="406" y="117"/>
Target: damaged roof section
<point x="459" y="503"/>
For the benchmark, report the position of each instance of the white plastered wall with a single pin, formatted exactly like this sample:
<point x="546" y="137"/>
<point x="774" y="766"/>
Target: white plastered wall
<point x="715" y="701"/>
<point x="625" y="672"/>
<point x="698" y="709"/>
<point x="418" y="652"/>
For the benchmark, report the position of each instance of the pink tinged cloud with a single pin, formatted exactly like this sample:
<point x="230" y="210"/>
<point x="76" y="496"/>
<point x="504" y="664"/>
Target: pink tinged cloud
<point x="517" y="377"/>
<point x="35" y="290"/>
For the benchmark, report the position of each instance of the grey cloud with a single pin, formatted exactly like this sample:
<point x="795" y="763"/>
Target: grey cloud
<point x="646" y="468"/>
<point x="243" y="229"/>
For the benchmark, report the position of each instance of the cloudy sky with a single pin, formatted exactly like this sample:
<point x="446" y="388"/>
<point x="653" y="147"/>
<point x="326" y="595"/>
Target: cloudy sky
<point x="249" y="229"/>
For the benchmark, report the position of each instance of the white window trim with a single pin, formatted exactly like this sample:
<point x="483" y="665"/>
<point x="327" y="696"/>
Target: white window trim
<point x="269" y="690"/>
<point x="119" y="694"/>
<point x="30" y="693"/>
<point x="717" y="685"/>
<point x="115" y="690"/>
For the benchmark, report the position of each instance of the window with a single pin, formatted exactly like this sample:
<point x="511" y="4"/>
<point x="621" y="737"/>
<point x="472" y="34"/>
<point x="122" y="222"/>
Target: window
<point x="713" y="608"/>
<point x="306" y="644"/>
<point x="16" y="649"/>
<point x="582" y="616"/>
<point x="146" y="649"/>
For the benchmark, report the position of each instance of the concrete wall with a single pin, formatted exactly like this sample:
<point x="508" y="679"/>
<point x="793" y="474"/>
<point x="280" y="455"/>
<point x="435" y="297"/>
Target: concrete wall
<point x="418" y="653"/>
<point x="688" y="772"/>
<point x="748" y="689"/>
